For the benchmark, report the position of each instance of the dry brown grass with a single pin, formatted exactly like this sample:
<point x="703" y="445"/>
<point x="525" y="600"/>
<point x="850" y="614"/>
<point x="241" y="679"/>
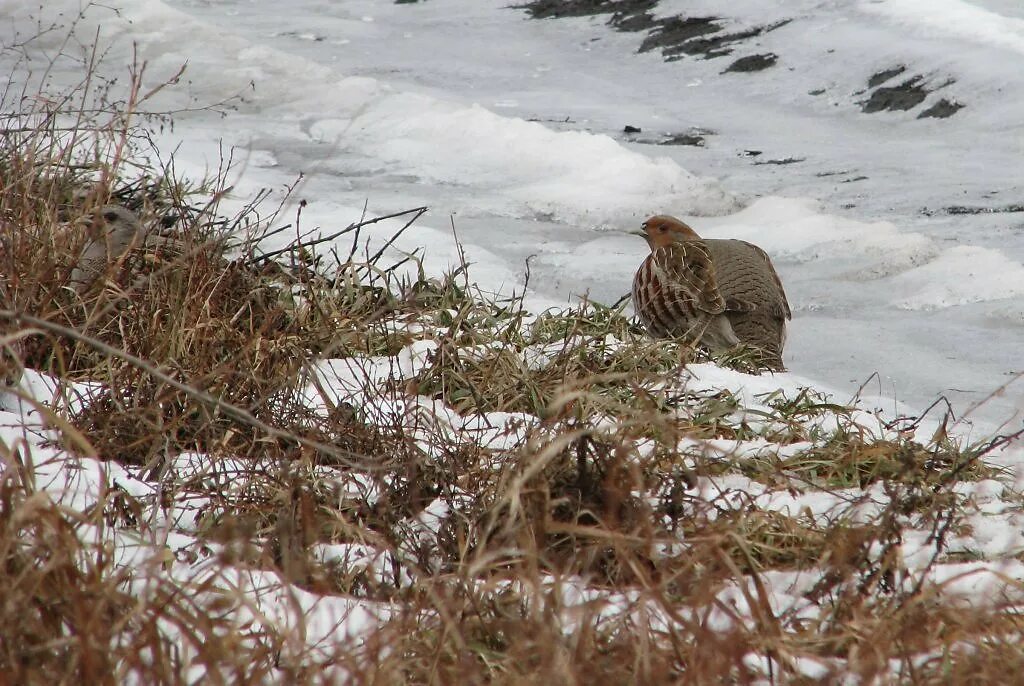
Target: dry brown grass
<point x="600" y="537"/>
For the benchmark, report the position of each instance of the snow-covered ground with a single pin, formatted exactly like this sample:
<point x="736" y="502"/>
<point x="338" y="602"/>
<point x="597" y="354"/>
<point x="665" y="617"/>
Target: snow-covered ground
<point x="167" y="544"/>
<point x="511" y="130"/>
<point x="512" y="127"/>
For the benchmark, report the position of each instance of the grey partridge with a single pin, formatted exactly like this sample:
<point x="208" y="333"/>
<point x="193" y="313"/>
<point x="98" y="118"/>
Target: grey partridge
<point x="115" y="230"/>
<point x="716" y="292"/>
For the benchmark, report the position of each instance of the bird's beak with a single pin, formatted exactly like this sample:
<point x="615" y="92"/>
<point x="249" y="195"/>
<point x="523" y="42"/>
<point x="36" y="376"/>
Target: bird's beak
<point x="89" y="222"/>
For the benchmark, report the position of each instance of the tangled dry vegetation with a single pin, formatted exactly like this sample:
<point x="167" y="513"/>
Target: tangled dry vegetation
<point x="316" y="463"/>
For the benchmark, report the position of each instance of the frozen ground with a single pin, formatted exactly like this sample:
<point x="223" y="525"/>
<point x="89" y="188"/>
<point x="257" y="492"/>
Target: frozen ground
<point x="433" y="103"/>
<point x="485" y="116"/>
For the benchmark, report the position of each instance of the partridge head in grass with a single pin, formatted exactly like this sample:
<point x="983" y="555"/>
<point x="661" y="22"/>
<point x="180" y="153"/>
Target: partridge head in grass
<point x="113" y="232"/>
<point x="719" y="293"/>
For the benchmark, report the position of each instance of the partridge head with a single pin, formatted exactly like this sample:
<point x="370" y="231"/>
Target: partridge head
<point x="715" y="292"/>
<point x="113" y="231"/>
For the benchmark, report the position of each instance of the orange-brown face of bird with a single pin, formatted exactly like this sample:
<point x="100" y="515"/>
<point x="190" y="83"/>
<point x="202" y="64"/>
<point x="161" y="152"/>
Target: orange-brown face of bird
<point x="661" y="230"/>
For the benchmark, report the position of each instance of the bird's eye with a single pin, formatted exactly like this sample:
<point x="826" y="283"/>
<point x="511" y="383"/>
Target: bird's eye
<point x="110" y="216"/>
<point x="662" y="228"/>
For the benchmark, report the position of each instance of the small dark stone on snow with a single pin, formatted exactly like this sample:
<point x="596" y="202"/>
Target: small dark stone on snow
<point x="631" y="129"/>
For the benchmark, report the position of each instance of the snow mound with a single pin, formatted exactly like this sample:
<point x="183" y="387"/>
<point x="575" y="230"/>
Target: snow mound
<point x="572" y="176"/>
<point x="797" y="228"/>
<point x="954" y="19"/>
<point x="961" y="275"/>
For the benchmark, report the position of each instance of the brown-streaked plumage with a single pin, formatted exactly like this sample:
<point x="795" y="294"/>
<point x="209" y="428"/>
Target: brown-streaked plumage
<point x="716" y="292"/>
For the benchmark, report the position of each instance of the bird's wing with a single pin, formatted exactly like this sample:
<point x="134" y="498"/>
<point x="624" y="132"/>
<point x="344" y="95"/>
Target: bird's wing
<point x="779" y="308"/>
<point x="689" y="273"/>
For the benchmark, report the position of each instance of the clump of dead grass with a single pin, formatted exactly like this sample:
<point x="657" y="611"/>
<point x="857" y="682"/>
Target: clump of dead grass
<point x="72" y="610"/>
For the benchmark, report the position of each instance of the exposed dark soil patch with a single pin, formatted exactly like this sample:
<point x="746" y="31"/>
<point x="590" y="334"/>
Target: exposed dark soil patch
<point x="942" y="109"/>
<point x="843" y="172"/>
<point x="905" y="96"/>
<point x="975" y="209"/>
<point x="878" y="78"/>
<point x="705" y="37"/>
<point x="684" y="139"/>
<point x="783" y="160"/>
<point x="558" y="9"/>
<point x="676" y="36"/>
<point x="1006" y="209"/>
<point x="672" y="33"/>
<point x="624" y="21"/>
<point x="717" y="44"/>
<point x="752" y="63"/>
<point x="694" y="137"/>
